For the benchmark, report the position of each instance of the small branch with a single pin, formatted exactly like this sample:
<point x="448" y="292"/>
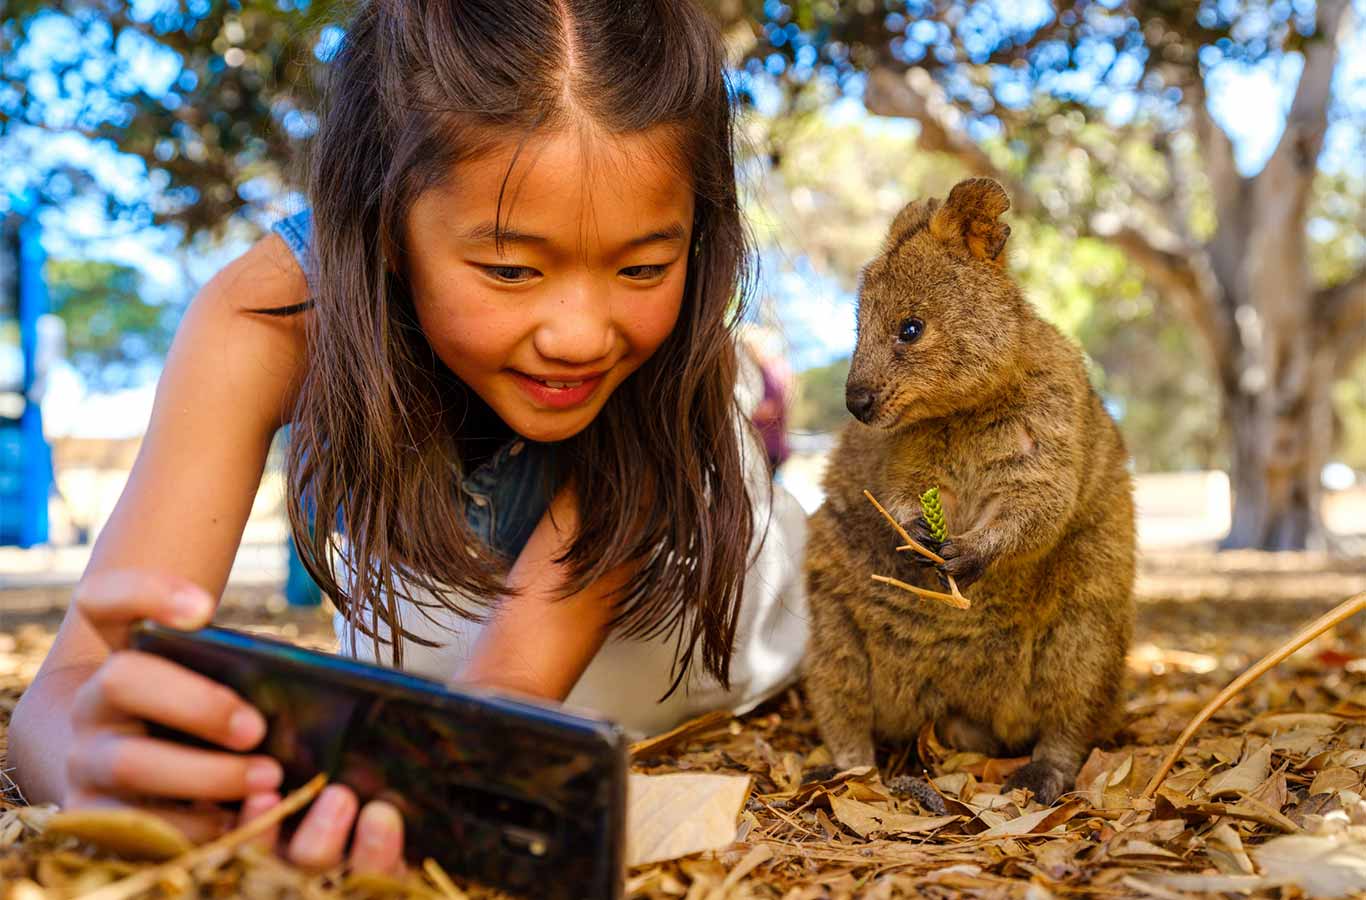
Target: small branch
<point x="956" y="598"/>
<point x="913" y="94"/>
<point x="911" y="543"/>
<point x="1342" y="311"/>
<point x="1335" y="616"/>
<point x="215" y="851"/>
<point x="957" y="601"/>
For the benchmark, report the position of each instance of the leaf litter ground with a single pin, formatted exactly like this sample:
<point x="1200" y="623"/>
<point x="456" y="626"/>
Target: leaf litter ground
<point x="1267" y="800"/>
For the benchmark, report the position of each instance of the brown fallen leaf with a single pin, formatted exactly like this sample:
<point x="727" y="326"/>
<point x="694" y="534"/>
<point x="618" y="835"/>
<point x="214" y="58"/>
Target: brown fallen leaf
<point x="1225" y="850"/>
<point x="1319" y="865"/>
<point x="1040" y="822"/>
<point x="864" y="819"/>
<point x="1243" y="778"/>
<point x="1335" y="778"/>
<point x="130" y="833"/>
<point x="669" y="816"/>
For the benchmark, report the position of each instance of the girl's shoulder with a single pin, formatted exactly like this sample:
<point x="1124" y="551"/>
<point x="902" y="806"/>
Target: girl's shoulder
<point x="229" y="328"/>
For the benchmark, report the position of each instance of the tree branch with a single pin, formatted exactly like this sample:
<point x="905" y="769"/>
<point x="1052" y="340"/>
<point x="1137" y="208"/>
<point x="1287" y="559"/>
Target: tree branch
<point x="1307" y="120"/>
<point x="914" y="95"/>
<point x="1341" y="310"/>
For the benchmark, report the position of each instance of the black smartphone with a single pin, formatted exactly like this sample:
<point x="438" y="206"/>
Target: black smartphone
<point x="512" y="794"/>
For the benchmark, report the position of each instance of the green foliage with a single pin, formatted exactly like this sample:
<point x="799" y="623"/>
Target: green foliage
<point x="934" y="513"/>
<point x="110" y="330"/>
<point x="819" y="403"/>
<point x="242" y="93"/>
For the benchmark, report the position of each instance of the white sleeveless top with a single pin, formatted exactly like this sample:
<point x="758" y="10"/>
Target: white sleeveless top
<point x="627" y="677"/>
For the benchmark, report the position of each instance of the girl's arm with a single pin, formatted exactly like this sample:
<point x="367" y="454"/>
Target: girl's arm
<point x="537" y="644"/>
<point x="175" y="530"/>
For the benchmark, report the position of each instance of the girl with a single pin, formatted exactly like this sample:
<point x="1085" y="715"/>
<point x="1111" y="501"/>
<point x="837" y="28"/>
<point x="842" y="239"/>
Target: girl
<point x="503" y="341"/>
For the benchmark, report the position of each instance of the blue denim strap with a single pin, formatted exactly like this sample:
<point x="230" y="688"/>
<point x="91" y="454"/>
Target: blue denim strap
<point x="297" y="233"/>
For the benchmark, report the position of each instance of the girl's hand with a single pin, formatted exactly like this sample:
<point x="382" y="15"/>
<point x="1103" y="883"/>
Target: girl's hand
<point x="113" y="762"/>
<point x="320" y="840"/>
<point x="111" y="758"/>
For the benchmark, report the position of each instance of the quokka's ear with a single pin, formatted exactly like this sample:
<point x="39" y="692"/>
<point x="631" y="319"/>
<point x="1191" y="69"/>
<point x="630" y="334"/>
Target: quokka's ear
<point x="968" y="219"/>
<point x="913" y="217"/>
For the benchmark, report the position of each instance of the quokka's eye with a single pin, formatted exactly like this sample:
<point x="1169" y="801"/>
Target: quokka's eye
<point x="910" y="331"/>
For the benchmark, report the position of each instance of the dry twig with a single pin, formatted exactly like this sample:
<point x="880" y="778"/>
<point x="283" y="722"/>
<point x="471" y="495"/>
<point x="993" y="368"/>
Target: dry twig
<point x="954" y="599"/>
<point x="1334" y="616"/>
<point x="217" y="849"/>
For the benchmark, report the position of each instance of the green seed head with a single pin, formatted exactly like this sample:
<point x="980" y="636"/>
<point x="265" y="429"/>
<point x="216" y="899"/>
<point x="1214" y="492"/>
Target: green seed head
<point x="934" y="513"/>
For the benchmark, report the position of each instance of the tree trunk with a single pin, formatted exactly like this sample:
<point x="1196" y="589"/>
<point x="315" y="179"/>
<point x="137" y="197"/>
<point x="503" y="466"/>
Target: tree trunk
<point x="1279" y="439"/>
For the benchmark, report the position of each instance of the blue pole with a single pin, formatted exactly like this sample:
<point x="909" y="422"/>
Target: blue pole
<point x="35" y="466"/>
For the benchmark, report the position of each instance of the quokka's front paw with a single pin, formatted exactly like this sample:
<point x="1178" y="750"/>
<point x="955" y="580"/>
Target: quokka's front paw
<point x="920" y="530"/>
<point x="1046" y="782"/>
<point x="963" y="562"/>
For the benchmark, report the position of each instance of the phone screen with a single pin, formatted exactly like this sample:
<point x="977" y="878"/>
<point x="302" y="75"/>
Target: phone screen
<point x="513" y="794"/>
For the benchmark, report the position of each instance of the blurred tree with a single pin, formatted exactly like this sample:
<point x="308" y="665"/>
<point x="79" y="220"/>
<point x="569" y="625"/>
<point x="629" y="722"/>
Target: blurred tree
<point x="213" y="98"/>
<point x="1096" y="116"/>
<point x="819" y="401"/>
<point x="112" y="334"/>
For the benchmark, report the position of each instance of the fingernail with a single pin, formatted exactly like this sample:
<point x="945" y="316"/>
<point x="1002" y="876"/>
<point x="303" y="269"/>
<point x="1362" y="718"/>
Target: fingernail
<point x="264" y="775"/>
<point x="382" y="822"/>
<point x="189" y="609"/>
<point x="331" y="802"/>
<point x="246" y="727"/>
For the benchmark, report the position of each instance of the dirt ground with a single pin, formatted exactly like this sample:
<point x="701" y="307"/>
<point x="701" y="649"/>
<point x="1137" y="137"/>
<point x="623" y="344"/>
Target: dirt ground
<point x="1266" y="801"/>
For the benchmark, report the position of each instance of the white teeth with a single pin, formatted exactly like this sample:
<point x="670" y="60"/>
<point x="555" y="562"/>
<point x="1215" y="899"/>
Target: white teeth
<point x="563" y="384"/>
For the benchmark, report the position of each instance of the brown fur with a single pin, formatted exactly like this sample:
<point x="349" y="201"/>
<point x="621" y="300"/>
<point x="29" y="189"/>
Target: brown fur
<point x="993" y="405"/>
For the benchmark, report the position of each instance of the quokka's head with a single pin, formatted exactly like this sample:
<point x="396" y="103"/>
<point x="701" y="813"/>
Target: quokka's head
<point x="939" y="318"/>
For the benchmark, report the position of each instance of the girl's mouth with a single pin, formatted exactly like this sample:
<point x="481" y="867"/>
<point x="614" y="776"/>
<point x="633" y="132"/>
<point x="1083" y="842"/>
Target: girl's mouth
<point x="558" y="393"/>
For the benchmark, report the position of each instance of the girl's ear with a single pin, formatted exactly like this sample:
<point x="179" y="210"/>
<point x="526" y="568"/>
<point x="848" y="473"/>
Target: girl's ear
<point x="968" y="219"/>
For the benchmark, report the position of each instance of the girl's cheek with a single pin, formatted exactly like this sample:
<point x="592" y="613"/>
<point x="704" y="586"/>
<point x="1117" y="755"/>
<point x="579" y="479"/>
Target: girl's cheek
<point x="647" y="325"/>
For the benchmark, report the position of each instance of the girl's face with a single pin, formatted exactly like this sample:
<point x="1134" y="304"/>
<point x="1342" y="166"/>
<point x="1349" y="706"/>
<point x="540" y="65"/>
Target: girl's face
<point x="586" y="285"/>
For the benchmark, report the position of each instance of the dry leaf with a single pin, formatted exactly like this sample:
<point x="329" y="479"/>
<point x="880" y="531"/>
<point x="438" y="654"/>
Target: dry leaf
<point x="1225" y="849"/>
<point x="1243" y="778"/>
<point x="1273" y="792"/>
<point x="668" y="816"/>
<point x="1334" y="778"/>
<point x="1323" y="723"/>
<point x="1351" y="759"/>
<point x="130" y="833"/>
<point x="1207" y="884"/>
<point x="865" y="819"/>
<point x="1319" y="865"/>
<point x="1039" y="822"/>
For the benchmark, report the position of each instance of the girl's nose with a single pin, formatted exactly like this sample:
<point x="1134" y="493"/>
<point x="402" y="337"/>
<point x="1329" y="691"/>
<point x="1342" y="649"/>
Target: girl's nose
<point x="576" y="326"/>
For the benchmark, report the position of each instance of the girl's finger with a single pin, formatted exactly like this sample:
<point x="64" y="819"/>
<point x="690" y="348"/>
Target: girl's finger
<point x="112" y="601"/>
<point x="256" y="805"/>
<point x="378" y="843"/>
<point x="321" y="837"/>
<point x="146" y="687"/>
<point x="109" y="762"/>
<point x="199" y="824"/>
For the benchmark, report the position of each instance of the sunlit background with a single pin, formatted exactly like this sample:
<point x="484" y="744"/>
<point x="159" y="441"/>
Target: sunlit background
<point x="144" y="145"/>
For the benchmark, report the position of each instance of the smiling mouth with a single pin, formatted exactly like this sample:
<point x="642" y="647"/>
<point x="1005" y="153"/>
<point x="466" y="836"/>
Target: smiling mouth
<point x="562" y="384"/>
<point x="560" y="392"/>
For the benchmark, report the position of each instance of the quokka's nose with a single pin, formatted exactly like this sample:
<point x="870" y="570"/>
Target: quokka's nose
<point x="860" y="403"/>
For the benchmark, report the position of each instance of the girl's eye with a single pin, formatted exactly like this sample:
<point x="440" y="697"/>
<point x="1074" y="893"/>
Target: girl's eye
<point x="511" y="274"/>
<point x="910" y="331"/>
<point x="644" y="273"/>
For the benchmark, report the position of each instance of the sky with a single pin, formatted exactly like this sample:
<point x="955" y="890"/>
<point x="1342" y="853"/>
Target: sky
<point x="817" y="315"/>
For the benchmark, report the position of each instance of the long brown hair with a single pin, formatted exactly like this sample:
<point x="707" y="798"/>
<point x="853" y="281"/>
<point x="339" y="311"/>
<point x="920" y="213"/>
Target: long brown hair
<point x="417" y="87"/>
